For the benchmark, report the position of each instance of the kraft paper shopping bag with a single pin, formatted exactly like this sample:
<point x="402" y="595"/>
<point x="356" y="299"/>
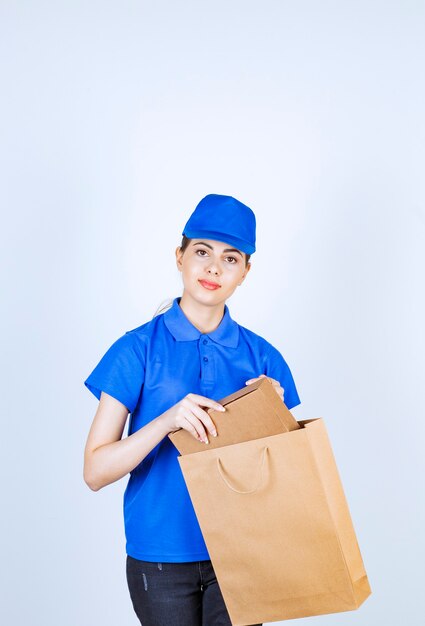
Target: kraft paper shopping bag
<point x="277" y="526"/>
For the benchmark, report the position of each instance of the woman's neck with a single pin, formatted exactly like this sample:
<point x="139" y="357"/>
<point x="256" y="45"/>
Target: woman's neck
<point x="205" y="318"/>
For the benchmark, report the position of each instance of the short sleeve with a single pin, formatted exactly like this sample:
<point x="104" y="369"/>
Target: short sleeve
<point x="277" y="368"/>
<point x="120" y="372"/>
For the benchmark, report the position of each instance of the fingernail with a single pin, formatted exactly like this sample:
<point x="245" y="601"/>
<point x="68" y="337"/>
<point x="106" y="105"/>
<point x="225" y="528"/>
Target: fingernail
<point x="214" y="433"/>
<point x="222" y="408"/>
<point x="206" y="440"/>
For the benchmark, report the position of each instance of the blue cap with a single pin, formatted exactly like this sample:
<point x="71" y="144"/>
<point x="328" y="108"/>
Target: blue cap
<point x="223" y="218"/>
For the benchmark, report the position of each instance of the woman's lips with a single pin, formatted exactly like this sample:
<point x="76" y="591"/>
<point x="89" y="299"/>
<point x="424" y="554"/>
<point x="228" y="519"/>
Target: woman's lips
<point x="209" y="285"/>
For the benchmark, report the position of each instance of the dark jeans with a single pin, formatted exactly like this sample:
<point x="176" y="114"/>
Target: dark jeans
<point x="176" y="594"/>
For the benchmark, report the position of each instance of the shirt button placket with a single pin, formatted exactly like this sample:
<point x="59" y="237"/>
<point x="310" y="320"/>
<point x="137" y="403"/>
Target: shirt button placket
<point x="207" y="370"/>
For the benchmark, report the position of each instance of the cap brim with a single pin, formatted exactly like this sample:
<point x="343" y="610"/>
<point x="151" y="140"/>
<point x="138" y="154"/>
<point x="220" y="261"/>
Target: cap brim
<point x="239" y="244"/>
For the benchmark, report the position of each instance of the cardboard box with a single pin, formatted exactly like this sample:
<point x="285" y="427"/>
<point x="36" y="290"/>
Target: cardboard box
<point x="251" y="413"/>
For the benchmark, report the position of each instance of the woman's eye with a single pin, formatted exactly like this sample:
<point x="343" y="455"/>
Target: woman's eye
<point x="204" y="253"/>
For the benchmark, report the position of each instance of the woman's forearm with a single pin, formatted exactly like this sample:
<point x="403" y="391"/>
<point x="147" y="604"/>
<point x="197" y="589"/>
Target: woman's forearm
<point x="106" y="463"/>
<point x="112" y="461"/>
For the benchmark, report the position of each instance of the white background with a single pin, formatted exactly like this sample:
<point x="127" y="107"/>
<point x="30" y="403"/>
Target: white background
<point x="116" y="119"/>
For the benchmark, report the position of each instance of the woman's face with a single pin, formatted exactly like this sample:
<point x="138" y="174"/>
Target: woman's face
<point x="211" y="270"/>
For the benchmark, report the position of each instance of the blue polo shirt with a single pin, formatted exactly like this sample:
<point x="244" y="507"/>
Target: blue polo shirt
<point x="151" y="368"/>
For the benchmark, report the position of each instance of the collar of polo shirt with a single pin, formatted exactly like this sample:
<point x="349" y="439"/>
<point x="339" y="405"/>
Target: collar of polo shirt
<point x="226" y="334"/>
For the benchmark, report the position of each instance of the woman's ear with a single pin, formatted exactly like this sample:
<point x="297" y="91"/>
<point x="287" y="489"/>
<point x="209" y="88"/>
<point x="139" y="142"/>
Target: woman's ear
<point x="179" y="255"/>
<point x="248" y="267"/>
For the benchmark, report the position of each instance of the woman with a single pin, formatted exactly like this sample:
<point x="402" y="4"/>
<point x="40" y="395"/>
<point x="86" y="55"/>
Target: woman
<point x="166" y="374"/>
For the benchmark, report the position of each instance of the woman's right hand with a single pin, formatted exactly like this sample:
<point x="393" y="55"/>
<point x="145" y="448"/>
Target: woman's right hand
<point x="189" y="415"/>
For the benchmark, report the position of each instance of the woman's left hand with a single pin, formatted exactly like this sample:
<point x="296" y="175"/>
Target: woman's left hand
<point x="276" y="385"/>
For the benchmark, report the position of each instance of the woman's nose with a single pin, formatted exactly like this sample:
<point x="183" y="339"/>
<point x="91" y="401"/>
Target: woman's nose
<point x="213" y="268"/>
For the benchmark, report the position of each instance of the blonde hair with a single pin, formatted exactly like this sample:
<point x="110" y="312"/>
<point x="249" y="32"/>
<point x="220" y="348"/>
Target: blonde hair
<point x="164" y="306"/>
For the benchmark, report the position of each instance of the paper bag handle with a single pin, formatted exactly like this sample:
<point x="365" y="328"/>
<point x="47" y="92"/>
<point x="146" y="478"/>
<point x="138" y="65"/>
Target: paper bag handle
<point x="221" y="472"/>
